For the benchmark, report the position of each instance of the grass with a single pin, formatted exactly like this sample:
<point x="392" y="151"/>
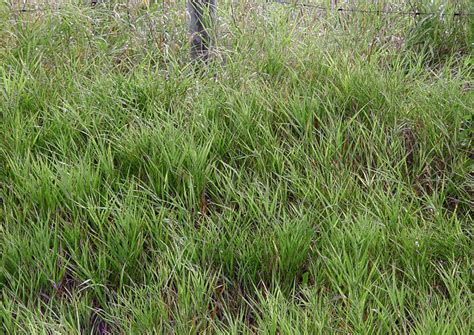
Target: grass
<point x="314" y="177"/>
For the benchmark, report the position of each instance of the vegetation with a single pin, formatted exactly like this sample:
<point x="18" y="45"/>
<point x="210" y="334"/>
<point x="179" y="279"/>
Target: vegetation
<point x="315" y="176"/>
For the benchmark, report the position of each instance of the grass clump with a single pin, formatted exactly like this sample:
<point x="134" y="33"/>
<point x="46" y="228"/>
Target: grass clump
<point x="314" y="177"/>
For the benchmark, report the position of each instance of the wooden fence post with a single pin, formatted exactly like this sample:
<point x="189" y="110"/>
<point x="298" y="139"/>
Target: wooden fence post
<point x="201" y="17"/>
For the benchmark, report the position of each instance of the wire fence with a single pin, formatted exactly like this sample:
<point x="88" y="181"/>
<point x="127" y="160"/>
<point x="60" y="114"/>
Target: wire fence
<point x="332" y="8"/>
<point x="162" y="25"/>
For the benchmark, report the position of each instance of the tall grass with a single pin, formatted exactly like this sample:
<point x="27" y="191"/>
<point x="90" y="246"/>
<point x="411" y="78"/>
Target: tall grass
<point x="314" y="177"/>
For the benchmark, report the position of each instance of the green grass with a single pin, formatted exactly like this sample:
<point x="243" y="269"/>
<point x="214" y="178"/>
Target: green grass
<point x="314" y="177"/>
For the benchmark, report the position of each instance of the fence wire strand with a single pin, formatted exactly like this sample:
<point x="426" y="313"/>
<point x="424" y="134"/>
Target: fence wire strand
<point x="306" y="5"/>
<point x="369" y="11"/>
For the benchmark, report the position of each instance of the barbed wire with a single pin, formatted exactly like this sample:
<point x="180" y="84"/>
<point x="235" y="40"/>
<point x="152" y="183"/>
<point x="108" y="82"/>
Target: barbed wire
<point x="369" y="11"/>
<point x="307" y="5"/>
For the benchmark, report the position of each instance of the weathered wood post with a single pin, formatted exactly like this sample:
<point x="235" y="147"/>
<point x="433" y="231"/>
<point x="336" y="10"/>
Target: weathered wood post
<point x="201" y="18"/>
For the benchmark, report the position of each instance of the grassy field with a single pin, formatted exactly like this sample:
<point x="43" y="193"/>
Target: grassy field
<point x="315" y="177"/>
